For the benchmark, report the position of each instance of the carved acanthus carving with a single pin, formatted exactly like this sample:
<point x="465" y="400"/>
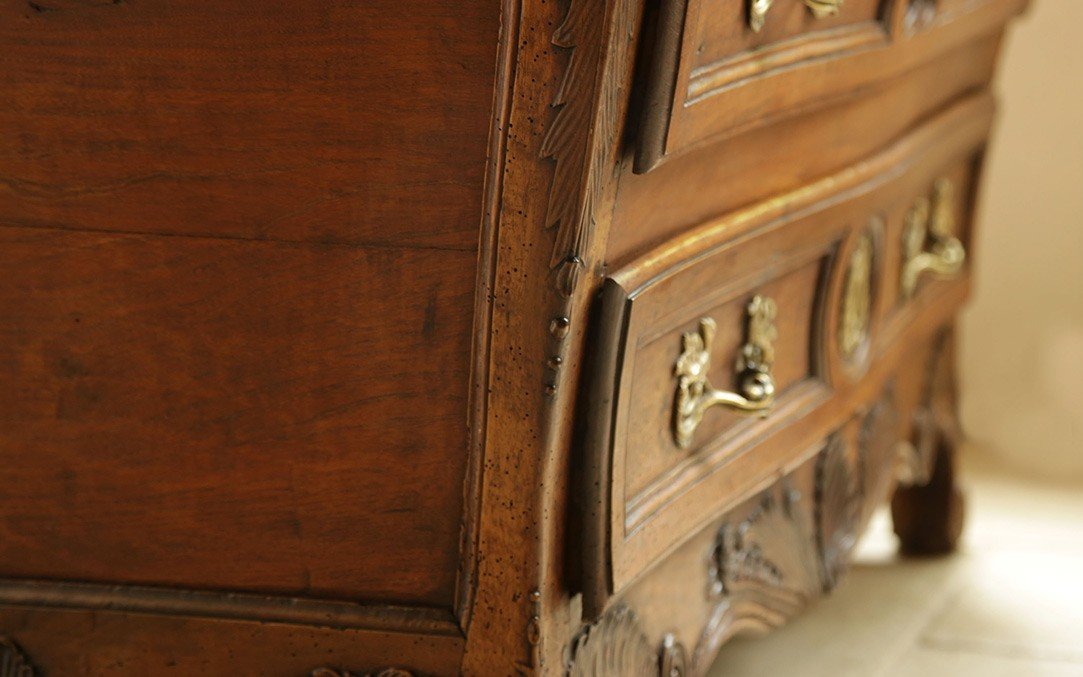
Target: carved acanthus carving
<point x="13" y="663"/>
<point x="584" y="137"/>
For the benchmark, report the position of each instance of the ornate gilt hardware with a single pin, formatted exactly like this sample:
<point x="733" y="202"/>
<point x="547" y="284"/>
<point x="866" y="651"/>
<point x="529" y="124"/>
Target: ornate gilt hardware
<point x="757" y="14"/>
<point x="757" y="10"/>
<point x="931" y="224"/>
<point x="823" y="8"/>
<point x="856" y="308"/>
<point x="756" y="385"/>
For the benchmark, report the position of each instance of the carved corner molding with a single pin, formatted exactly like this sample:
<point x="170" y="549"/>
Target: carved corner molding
<point x="13" y="662"/>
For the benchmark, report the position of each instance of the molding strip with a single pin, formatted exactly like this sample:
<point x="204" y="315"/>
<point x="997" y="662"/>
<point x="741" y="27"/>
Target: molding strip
<point x="239" y="606"/>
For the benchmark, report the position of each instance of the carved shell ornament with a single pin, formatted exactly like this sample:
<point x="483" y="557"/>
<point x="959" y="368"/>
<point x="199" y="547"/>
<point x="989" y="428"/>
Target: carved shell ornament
<point x="615" y="645"/>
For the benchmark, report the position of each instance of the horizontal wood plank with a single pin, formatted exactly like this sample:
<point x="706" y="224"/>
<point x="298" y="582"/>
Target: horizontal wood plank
<point x="233" y="415"/>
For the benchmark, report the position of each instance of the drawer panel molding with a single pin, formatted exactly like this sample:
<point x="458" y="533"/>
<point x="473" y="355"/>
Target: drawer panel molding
<point x="721" y="69"/>
<point x="727" y="355"/>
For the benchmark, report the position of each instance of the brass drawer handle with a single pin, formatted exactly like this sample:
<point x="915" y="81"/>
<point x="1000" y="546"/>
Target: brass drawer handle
<point x="757" y="10"/>
<point x="756" y="392"/>
<point x="932" y="224"/>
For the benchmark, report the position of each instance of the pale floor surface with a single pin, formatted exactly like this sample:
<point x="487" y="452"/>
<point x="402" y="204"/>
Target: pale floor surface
<point x="1010" y="603"/>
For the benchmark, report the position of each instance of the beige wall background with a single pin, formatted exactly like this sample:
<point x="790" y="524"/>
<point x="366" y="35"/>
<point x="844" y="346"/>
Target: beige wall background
<point x="1022" y="338"/>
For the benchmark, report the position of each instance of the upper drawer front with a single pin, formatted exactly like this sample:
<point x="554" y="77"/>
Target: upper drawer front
<point x="722" y="66"/>
<point x="726" y="355"/>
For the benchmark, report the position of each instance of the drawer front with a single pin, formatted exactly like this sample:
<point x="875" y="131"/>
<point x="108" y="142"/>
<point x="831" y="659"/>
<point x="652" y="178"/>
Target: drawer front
<point x="780" y="546"/>
<point x="726" y="356"/>
<point x="722" y="67"/>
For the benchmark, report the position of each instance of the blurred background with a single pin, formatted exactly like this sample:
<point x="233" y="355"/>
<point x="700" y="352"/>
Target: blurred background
<point x="1010" y="603"/>
<point x="1022" y="337"/>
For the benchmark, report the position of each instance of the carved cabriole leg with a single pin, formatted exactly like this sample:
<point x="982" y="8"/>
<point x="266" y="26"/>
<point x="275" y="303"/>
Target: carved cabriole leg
<point x="928" y="514"/>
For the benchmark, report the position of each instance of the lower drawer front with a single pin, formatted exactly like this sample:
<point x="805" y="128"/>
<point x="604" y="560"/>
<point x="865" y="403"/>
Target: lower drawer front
<point x="726" y="357"/>
<point x="778" y="547"/>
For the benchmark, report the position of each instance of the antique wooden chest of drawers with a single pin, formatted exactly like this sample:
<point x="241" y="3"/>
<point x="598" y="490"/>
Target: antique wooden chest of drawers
<point x="492" y="337"/>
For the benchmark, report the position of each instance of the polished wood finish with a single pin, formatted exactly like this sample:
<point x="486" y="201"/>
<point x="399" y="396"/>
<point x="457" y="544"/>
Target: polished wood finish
<point x="226" y="339"/>
<point x="339" y="339"/>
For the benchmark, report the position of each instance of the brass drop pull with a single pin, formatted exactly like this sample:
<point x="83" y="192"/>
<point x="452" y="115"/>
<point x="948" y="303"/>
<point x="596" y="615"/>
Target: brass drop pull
<point x="756" y="385"/>
<point x="929" y="242"/>
<point x="823" y="8"/>
<point x="757" y="10"/>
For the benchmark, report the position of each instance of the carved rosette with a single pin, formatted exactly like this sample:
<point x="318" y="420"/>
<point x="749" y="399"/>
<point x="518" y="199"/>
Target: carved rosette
<point x="838" y="508"/>
<point x="13" y="663"/>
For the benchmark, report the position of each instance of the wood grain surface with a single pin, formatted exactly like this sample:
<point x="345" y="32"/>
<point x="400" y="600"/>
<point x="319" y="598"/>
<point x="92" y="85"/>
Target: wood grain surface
<point x="239" y="247"/>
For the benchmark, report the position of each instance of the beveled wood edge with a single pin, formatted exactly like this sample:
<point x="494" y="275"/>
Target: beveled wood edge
<point x="593" y="507"/>
<point x="539" y="319"/>
<point x="466" y="582"/>
<point x="969" y="119"/>
<point x="833" y="43"/>
<point x="235" y="606"/>
<point x="661" y="85"/>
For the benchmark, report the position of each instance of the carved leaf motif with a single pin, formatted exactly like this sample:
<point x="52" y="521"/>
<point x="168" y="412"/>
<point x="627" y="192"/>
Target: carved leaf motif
<point x="12" y="661"/>
<point x="615" y="645"/>
<point x="583" y="137"/>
